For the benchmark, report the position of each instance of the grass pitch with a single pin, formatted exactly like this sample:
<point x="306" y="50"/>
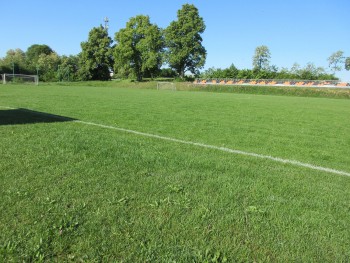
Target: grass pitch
<point x="76" y="192"/>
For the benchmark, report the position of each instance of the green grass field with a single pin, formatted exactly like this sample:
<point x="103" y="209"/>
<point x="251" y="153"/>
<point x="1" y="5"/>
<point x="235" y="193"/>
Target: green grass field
<point x="76" y="192"/>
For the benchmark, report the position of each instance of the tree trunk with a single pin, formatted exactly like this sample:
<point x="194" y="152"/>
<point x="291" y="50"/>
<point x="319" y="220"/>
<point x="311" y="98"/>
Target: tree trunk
<point x="182" y="73"/>
<point x="138" y="74"/>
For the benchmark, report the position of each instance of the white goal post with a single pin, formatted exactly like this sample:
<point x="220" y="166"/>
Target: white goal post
<point x="163" y="85"/>
<point x="20" y="78"/>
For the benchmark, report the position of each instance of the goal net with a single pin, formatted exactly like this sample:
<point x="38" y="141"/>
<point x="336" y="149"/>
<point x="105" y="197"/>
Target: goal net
<point x="166" y="86"/>
<point x="20" y="78"/>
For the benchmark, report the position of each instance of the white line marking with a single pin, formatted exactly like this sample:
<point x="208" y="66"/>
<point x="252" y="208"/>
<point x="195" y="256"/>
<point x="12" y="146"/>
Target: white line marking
<point x="261" y="156"/>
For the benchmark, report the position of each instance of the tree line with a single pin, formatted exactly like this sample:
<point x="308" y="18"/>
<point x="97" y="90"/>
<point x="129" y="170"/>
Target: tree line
<point x="262" y="69"/>
<point x="141" y="49"/>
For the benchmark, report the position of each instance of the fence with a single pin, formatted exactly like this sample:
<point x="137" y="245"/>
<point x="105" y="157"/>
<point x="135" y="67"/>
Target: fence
<point x="274" y="82"/>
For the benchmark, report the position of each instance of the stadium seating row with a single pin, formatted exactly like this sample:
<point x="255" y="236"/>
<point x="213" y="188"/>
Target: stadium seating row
<point x="306" y="83"/>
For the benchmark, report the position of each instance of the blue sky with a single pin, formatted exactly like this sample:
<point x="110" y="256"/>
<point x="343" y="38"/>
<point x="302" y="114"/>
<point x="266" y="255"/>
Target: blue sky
<point x="299" y="31"/>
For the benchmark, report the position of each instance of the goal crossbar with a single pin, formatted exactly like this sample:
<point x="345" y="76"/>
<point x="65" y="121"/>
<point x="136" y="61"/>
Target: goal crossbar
<point x="6" y="78"/>
<point x="163" y="85"/>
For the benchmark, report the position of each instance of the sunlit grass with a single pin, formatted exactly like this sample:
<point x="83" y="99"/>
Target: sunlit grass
<point x="75" y="192"/>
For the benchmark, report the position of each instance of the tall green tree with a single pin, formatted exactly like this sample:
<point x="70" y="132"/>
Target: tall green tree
<point x="96" y="58"/>
<point x="15" y="62"/>
<point x="230" y="72"/>
<point x="347" y="63"/>
<point x="335" y="60"/>
<point x="47" y="66"/>
<point x="68" y="68"/>
<point x="261" y="58"/>
<point x="183" y="39"/>
<point x="295" y="69"/>
<point x="34" y="51"/>
<point x="138" y="48"/>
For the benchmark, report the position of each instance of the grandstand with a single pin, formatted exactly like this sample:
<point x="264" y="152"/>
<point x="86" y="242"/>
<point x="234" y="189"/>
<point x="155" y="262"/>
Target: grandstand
<point x="275" y="82"/>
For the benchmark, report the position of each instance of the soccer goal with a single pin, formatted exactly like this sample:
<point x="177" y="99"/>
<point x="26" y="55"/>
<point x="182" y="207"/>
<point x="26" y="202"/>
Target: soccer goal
<point x="20" y="78"/>
<point x="166" y="86"/>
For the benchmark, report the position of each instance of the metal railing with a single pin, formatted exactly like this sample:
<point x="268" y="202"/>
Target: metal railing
<point x="274" y="82"/>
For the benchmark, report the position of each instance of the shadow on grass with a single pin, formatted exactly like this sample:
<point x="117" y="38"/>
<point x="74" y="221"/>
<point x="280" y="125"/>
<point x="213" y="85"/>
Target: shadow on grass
<point x="25" y="116"/>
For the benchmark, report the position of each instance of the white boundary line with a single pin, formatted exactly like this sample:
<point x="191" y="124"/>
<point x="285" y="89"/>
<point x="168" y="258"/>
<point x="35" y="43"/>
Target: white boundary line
<point x="261" y="156"/>
<point x="208" y="146"/>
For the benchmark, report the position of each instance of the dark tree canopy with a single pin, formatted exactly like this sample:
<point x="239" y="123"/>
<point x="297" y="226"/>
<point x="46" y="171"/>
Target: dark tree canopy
<point x="347" y="63"/>
<point x="96" y="57"/>
<point x="34" y="51"/>
<point x="185" y="51"/>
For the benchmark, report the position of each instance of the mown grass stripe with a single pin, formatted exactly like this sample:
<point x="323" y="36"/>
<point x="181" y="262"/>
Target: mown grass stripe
<point x="208" y="146"/>
<point x="261" y="156"/>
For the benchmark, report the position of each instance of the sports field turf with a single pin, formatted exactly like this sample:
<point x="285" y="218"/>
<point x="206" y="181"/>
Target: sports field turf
<point x="74" y="191"/>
